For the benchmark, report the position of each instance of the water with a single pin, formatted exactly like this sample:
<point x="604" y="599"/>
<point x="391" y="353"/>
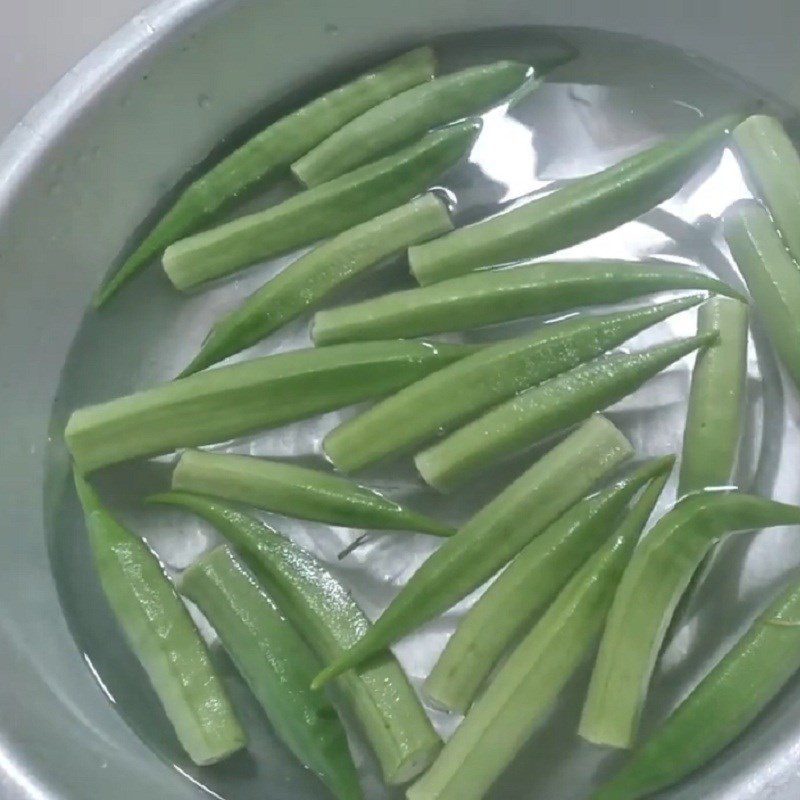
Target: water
<point x="616" y="97"/>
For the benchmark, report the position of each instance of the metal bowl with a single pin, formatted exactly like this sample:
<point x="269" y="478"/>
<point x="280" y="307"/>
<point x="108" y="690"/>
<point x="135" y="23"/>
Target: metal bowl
<point x="79" y="174"/>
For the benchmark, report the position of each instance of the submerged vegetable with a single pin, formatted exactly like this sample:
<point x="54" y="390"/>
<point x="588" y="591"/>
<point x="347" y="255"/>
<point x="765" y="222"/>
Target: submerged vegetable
<point x="452" y="396"/>
<point x="772" y="277"/>
<point x="304" y="283"/>
<point x="231" y="401"/>
<point x="319" y="212"/>
<point x="276" y="664"/>
<point x="274" y="148"/>
<point x="528" y="585"/>
<point x="545" y="409"/>
<point x="772" y="165"/>
<point x="161" y="634"/>
<point x="493" y="536"/>
<point x="407" y="115"/>
<point x="583" y="209"/>
<point x="330" y="620"/>
<point x="527" y="685"/>
<point x="296" y="492"/>
<point x="657" y="576"/>
<point x="492" y="296"/>
<point x="725" y="702"/>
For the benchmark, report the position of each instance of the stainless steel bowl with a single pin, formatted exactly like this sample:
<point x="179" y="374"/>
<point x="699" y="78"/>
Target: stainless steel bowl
<point x="79" y="174"/>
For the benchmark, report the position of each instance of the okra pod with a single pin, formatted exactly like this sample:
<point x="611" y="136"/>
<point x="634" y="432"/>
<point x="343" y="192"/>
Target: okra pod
<point x="500" y="295"/>
<point x="716" y="398"/>
<point x="657" y="576"/>
<point x="545" y="409"/>
<point x="306" y="282"/>
<point x="527" y="685"/>
<point x="319" y="212"/>
<point x="772" y="166"/>
<point x="269" y="151"/>
<point x="407" y="115"/>
<point x="231" y="401"/>
<point x="772" y="277"/>
<point x="297" y="492"/>
<point x="162" y="636"/>
<point x="493" y="536"/>
<point x="583" y="209"/>
<point x="725" y="702"/>
<point x="452" y="396"/>
<point x="528" y="585"/>
<point x="275" y="663"/>
<point x="379" y="693"/>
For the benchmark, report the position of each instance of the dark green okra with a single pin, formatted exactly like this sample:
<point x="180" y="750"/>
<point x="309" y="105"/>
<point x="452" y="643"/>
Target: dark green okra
<point x="407" y="115"/>
<point x="725" y="702"/>
<point x="543" y="410"/>
<point x="162" y="636"/>
<point x="526" y="686"/>
<point x="500" y="295"/>
<point x="378" y="693"/>
<point x="231" y="401"/>
<point x="528" y="585"/>
<point x="319" y="212"/>
<point x="493" y="536"/>
<point x="583" y="209"/>
<point x="442" y="401"/>
<point x="296" y="491"/>
<point x="275" y="663"/>
<point x="269" y="151"/>
<point x="654" y="582"/>
<point x="772" y="277"/>
<point x="306" y="282"/>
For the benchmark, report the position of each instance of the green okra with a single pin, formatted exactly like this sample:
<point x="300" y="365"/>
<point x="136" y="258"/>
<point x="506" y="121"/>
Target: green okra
<point x="583" y="209"/>
<point x="657" y="576"/>
<point x="528" y="585"/>
<point x="527" y="685"/>
<point x="378" y="693"/>
<point x="319" y="212"/>
<point x="772" y="277"/>
<point x="720" y="708"/>
<point x="305" y="283"/>
<point x="407" y="115"/>
<point x="545" y="409"/>
<point x="772" y="165"/>
<point x="297" y="492"/>
<point x="162" y="636"/>
<point x="500" y="295"/>
<point x="442" y="401"/>
<point x="269" y="151"/>
<point x="232" y="401"/>
<point x="493" y="536"/>
<point x="275" y="663"/>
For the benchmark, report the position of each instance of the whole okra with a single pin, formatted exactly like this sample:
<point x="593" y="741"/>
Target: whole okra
<point x="407" y="115"/>
<point x="499" y="295"/>
<point x="493" y="536"/>
<point x="528" y="585"/>
<point x="657" y="576"/>
<point x="269" y="151"/>
<point x="223" y="403"/>
<point x="442" y="401"/>
<point x="545" y="409"/>
<point x="296" y="491"/>
<point x="319" y="606"/>
<point x="161" y="635"/>
<point x="528" y="683"/>
<point x="306" y="282"/>
<point x="322" y="211"/>
<point x="582" y="209"/>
